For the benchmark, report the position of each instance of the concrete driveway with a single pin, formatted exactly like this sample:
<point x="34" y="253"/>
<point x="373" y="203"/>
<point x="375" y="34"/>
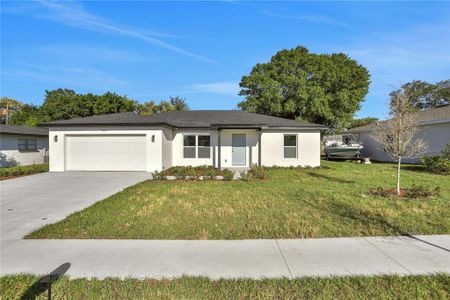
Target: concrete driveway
<point x="28" y="203"/>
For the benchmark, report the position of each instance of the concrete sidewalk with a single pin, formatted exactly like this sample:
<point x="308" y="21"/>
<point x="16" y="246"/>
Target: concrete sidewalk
<point x="229" y="259"/>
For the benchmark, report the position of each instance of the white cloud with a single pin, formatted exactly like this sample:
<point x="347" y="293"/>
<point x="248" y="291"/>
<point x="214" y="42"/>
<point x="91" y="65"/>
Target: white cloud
<point x="84" y="77"/>
<point x="314" y="18"/>
<point x="230" y="88"/>
<point x="91" y="54"/>
<point x="73" y="14"/>
<point x="226" y="88"/>
<point x="419" y="52"/>
<point x="394" y="59"/>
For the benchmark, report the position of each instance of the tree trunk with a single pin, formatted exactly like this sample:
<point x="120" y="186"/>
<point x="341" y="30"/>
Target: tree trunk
<point x="398" y="174"/>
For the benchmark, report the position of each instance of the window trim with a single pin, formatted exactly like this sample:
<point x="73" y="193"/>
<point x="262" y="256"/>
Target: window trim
<point x="197" y="147"/>
<point x="296" y="146"/>
<point x="26" y="145"/>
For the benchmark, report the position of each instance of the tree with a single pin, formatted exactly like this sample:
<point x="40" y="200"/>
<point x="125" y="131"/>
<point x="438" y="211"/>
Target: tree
<point x="110" y="103"/>
<point x="425" y="95"/>
<point x="8" y="107"/>
<point x="178" y="103"/>
<point x="62" y="104"/>
<point x="147" y="108"/>
<point x="398" y="134"/>
<point x="174" y="103"/>
<point x="296" y="84"/>
<point x="361" y="122"/>
<point x="28" y="115"/>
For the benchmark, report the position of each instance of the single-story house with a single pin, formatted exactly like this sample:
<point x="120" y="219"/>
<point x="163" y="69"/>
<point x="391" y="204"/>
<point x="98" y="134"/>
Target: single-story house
<point x="221" y="138"/>
<point x="23" y="145"/>
<point x="434" y="129"/>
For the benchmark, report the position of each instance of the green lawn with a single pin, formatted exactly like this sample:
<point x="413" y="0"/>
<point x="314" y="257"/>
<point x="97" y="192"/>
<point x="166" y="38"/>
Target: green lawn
<point x="381" y="287"/>
<point x="291" y="203"/>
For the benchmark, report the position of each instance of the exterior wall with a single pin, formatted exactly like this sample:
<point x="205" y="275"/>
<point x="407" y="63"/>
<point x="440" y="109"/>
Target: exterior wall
<point x="436" y="136"/>
<point x="177" y="148"/>
<point x="251" y="153"/>
<point x="167" y="137"/>
<point x="164" y="147"/>
<point x="11" y="156"/>
<point x="308" y="148"/>
<point x="57" y="149"/>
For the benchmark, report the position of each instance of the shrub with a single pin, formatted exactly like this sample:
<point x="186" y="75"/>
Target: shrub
<point x="446" y="151"/>
<point x="257" y="172"/>
<point x="157" y="176"/>
<point x="23" y="170"/>
<point x="192" y="173"/>
<point x="436" y="164"/>
<point x="245" y="175"/>
<point x="227" y="175"/>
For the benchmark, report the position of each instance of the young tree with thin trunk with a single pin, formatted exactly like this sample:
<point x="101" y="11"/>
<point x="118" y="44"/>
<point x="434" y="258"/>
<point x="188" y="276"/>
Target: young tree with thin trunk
<point x="398" y="134"/>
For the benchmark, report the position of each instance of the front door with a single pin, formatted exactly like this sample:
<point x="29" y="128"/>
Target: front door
<point x="238" y="144"/>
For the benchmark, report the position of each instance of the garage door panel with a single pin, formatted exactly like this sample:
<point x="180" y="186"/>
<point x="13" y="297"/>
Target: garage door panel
<point x="106" y="153"/>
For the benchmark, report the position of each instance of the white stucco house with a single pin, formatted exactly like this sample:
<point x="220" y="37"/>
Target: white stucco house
<point x="21" y="146"/>
<point x="224" y="139"/>
<point x="434" y="129"/>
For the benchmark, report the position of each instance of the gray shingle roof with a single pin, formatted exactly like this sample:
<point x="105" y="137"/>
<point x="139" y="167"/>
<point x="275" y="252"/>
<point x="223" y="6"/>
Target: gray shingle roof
<point x="22" y="130"/>
<point x="188" y="119"/>
<point x="423" y="117"/>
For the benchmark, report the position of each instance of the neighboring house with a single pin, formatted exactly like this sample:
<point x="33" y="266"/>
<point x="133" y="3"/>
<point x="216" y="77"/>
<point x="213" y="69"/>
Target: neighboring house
<point x="225" y="139"/>
<point x="434" y="129"/>
<point x="23" y="145"/>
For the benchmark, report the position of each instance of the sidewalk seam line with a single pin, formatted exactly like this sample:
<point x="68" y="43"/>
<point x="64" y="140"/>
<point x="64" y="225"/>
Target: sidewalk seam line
<point x="387" y="255"/>
<point x="284" y="259"/>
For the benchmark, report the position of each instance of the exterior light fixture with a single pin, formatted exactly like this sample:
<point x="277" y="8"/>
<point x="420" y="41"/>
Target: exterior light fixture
<point x="55" y="138"/>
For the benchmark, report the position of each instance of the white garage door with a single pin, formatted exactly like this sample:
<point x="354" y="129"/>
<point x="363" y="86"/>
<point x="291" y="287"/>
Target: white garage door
<point x="106" y="153"/>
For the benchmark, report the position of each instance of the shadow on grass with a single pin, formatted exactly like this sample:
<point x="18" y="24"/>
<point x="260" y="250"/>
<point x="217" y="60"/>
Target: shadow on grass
<point x="346" y="211"/>
<point x="44" y="283"/>
<point x="327" y="177"/>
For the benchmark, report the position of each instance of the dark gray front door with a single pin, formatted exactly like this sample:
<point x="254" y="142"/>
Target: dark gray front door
<point x="238" y="144"/>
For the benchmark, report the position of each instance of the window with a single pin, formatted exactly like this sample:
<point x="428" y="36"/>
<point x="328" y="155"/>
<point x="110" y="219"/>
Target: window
<point x="189" y="146"/>
<point x="26" y="145"/>
<point x="290" y="146"/>
<point x="196" y="146"/>
<point x="204" y="146"/>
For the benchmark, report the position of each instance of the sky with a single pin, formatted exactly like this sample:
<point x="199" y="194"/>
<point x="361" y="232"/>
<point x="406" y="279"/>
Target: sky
<point x="151" y="50"/>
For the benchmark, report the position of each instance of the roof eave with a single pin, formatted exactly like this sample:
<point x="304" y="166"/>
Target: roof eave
<point x="49" y="125"/>
<point x="23" y="133"/>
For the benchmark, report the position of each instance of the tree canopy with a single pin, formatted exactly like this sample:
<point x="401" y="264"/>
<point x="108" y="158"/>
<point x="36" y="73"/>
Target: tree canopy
<point x="296" y="84"/>
<point x="8" y="107"/>
<point x="63" y="104"/>
<point x="174" y="103"/>
<point x="425" y="95"/>
<point x="361" y="122"/>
